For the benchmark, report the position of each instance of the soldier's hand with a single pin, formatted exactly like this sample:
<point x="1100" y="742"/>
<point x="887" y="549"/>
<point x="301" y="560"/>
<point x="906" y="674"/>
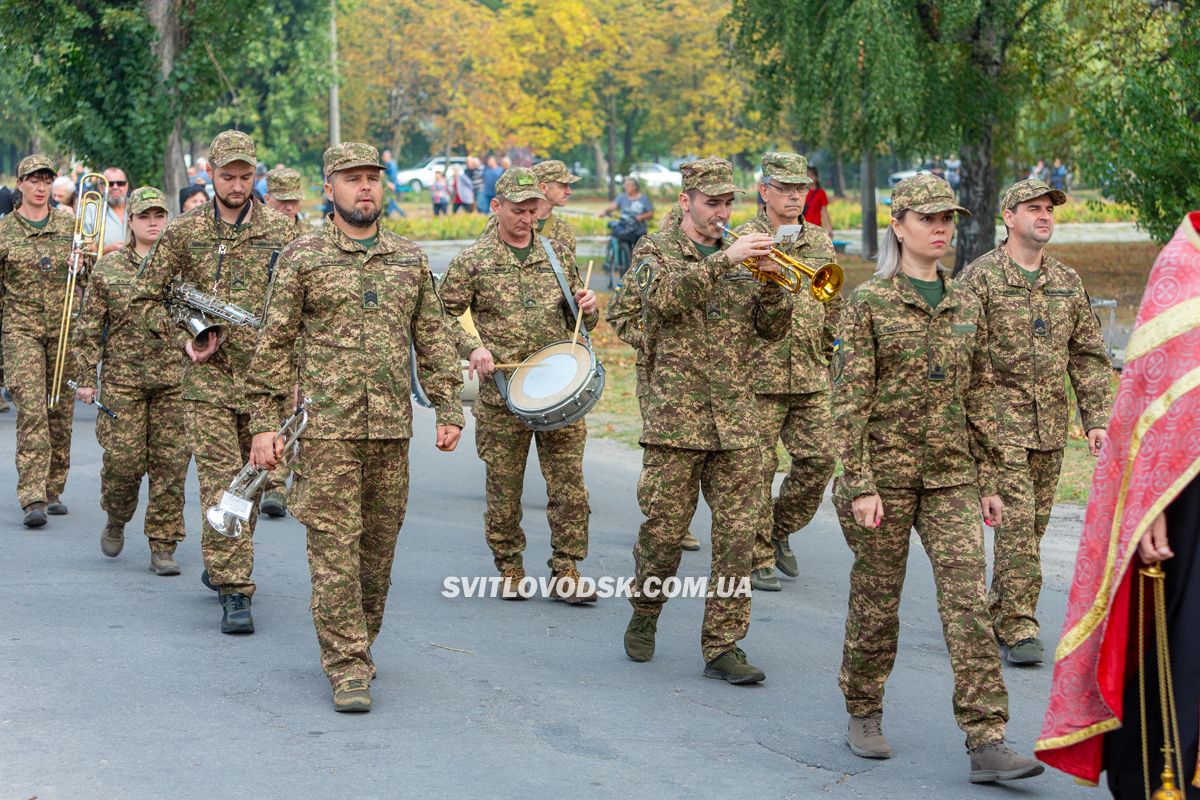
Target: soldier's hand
<point x="201" y="354"/>
<point x="767" y="265"/>
<point x="750" y="245"/>
<point x="868" y="510"/>
<point x="447" y="437"/>
<point x="1097" y="437"/>
<point x="85" y="395"/>
<point x="265" y="449"/>
<point x="993" y="510"/>
<point x="481" y="362"/>
<point x="1154" y="546"/>
<point x="586" y="300"/>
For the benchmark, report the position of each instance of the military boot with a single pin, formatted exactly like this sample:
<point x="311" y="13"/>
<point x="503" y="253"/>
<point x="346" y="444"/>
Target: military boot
<point x="567" y="586"/>
<point x="1025" y="653"/>
<point x="765" y="580"/>
<point x="994" y="761"/>
<point x="162" y="561"/>
<point x="56" y="508"/>
<point x="112" y="541"/>
<point x="733" y="667"/>
<point x="639" y="637"/>
<point x="4" y="406"/>
<point x="352" y="696"/>
<point x="785" y="559"/>
<point x="690" y="542"/>
<point x="235" y="613"/>
<point x="865" y="737"/>
<point x="511" y="585"/>
<point x="35" y="515"/>
<point x="273" y="504"/>
<point x="207" y="581"/>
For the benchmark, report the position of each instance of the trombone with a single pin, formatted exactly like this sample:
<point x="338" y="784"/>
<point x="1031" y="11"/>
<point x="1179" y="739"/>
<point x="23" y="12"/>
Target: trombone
<point x="87" y="244"/>
<point x="825" y="281"/>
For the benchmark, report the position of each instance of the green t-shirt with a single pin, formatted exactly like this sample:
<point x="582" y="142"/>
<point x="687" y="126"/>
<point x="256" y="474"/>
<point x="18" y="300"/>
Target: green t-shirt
<point x="1030" y="275"/>
<point x="521" y="253"/>
<point x="41" y="223"/>
<point x="541" y="223"/>
<point x="706" y="250"/>
<point x="931" y="291"/>
<point x="369" y="242"/>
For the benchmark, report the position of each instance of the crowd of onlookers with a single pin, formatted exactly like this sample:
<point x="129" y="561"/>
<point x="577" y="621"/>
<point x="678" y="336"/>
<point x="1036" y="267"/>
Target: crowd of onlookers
<point x="468" y="189"/>
<point x="1058" y="176"/>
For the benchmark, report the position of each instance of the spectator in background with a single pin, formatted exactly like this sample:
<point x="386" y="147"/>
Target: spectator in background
<point x="390" y="172"/>
<point x="464" y="191"/>
<point x="199" y="171"/>
<point x="954" y="172"/>
<point x="816" y="204"/>
<point x="635" y="209"/>
<point x="260" y="180"/>
<point x="1039" y="172"/>
<point x="491" y="174"/>
<point x="192" y="196"/>
<point x="1058" y="176"/>
<point x="6" y="204"/>
<point x="62" y="193"/>
<point x="440" y="193"/>
<point x="505" y="163"/>
<point x="475" y="172"/>
<point x="114" y="222"/>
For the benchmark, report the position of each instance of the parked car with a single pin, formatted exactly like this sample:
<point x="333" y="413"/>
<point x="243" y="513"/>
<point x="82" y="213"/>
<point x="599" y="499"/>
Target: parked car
<point x="653" y="176"/>
<point x="421" y="176"/>
<point x="903" y="174"/>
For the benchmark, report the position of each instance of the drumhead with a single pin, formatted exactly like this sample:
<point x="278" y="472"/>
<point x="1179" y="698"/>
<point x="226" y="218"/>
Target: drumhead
<point x="559" y="374"/>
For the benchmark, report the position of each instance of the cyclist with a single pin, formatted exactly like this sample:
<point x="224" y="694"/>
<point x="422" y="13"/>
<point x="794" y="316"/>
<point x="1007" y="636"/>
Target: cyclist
<point x="634" y="208"/>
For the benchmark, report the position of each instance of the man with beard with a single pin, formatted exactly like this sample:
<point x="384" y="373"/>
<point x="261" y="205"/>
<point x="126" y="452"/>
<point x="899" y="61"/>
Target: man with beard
<point x="114" y="222"/>
<point x="227" y="248"/>
<point x="351" y="488"/>
<point x="1042" y="328"/>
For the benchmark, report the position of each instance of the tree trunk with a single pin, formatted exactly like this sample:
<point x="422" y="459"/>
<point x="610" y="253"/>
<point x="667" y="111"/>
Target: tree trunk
<point x="627" y="138"/>
<point x="164" y="16"/>
<point x="611" y="155"/>
<point x="602" y="172"/>
<point x="335" y="106"/>
<point x="976" y="193"/>
<point x="839" y="178"/>
<point x="870" y="223"/>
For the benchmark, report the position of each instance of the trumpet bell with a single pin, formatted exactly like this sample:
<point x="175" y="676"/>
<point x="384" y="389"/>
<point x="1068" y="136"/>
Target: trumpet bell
<point x="827" y="282"/>
<point x="225" y="524"/>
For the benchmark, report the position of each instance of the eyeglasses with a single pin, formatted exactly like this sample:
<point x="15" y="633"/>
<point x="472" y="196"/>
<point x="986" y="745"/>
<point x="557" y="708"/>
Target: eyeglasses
<point x="791" y="189"/>
<point x="118" y="183"/>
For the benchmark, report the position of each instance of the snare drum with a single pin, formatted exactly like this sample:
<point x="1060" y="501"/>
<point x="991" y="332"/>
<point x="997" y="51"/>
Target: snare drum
<point x="554" y="387"/>
<point x="470" y="389"/>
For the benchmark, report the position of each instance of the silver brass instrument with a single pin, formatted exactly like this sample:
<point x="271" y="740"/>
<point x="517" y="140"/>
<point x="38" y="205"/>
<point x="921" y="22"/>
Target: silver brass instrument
<point x="237" y="502"/>
<point x="201" y="314"/>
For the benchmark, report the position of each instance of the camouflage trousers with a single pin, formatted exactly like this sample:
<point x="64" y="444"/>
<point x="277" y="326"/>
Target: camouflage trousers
<point x="803" y="422"/>
<point x="948" y="522"/>
<point x="220" y="441"/>
<point x="1028" y="482"/>
<point x="502" y="442"/>
<point x="351" y="495"/>
<point x="43" y="434"/>
<point x="149" y="437"/>
<point x="668" y="490"/>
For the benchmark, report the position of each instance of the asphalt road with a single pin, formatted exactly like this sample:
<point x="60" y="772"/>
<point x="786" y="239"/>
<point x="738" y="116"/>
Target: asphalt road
<point x="118" y="684"/>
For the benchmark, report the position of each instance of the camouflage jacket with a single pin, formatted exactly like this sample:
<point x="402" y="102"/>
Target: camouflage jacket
<point x="913" y="391"/>
<point x="518" y="308"/>
<point x="624" y="314"/>
<point x="701" y="321"/>
<point x="33" y="274"/>
<point x="300" y="227"/>
<point x="352" y="313"/>
<point x="108" y="331"/>
<point x="1037" y="334"/>
<point x="555" y="228"/>
<point x="799" y="363"/>
<point x="233" y="266"/>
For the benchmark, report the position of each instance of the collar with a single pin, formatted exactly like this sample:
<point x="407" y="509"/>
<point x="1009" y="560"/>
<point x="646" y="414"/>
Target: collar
<point x="1013" y="274"/>
<point x="50" y="226"/>
<point x="687" y="246"/>
<point x="383" y="242"/>
<point x="908" y="295"/>
<point x="504" y="250"/>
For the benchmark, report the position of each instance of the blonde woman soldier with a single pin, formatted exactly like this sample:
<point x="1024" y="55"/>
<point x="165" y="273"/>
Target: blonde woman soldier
<point x="912" y="399"/>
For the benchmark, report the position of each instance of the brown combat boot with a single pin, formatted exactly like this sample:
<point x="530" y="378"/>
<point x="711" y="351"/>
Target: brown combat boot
<point x="690" y="542"/>
<point x="994" y="761"/>
<point x="162" y="561"/>
<point x="865" y="737"/>
<point x="352" y="696"/>
<point x="510" y="587"/>
<point x="112" y="541"/>
<point x="567" y="586"/>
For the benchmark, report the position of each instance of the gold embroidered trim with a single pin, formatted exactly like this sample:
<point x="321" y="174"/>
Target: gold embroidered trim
<point x="1166" y="326"/>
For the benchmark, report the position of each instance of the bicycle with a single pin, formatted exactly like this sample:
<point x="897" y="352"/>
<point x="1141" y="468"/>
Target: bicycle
<point x="619" y="253"/>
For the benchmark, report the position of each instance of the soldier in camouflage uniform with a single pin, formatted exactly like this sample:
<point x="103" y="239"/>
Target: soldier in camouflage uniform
<point x="140" y="383"/>
<point x="703" y="314"/>
<point x="912" y="399"/>
<point x="1042" y="327"/>
<point x="350" y="298"/>
<point x="507" y="280"/>
<point x="227" y="248"/>
<point x="791" y="377"/>
<point x="35" y="245"/>
<point x="554" y="181"/>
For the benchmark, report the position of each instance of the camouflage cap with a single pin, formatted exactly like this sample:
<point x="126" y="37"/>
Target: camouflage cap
<point x="518" y="184"/>
<point x="349" y="155"/>
<point x="230" y="146"/>
<point x="785" y="167"/>
<point x="924" y="193"/>
<point x="35" y="163"/>
<point x="547" y="171"/>
<point x="144" y="198"/>
<point x="1026" y="190"/>
<point x="710" y="176"/>
<point x="283" y="183"/>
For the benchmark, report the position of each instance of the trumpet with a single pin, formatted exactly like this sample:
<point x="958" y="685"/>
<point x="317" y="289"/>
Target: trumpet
<point x="86" y="245"/>
<point x="202" y="314"/>
<point x="824" y="282"/>
<point x="237" y="501"/>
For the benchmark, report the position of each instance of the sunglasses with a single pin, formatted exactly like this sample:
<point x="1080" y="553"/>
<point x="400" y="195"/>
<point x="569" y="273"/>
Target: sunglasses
<point x="118" y="183"/>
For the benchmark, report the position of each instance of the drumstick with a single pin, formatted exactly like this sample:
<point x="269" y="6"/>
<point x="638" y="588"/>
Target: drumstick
<point x="579" y="316"/>
<point x="519" y="364"/>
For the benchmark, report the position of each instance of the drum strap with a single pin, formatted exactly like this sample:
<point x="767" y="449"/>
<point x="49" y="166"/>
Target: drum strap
<point x="556" y="265"/>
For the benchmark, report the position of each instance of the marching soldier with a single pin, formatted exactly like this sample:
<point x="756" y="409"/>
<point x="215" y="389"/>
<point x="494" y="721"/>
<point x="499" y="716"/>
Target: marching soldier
<point x="1042" y="327"/>
<point x="228" y="248"/>
<point x="507" y="280"/>
<point x="913" y="399"/>
<point x="35" y="246"/>
<point x="352" y="488"/>
<point x="140" y="383"/>
<point x="791" y="376"/>
<point x="703" y="313"/>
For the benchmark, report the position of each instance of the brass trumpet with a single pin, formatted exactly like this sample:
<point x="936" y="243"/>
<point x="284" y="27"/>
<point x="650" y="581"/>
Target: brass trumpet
<point x="825" y="281"/>
<point x="87" y="244"/>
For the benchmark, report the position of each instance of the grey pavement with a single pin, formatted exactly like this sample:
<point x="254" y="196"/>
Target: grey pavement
<point x="118" y="684"/>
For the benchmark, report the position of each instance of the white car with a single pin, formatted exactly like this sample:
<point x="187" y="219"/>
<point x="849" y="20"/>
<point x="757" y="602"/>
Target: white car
<point x="421" y="177"/>
<point x="653" y="176"/>
<point x="904" y="174"/>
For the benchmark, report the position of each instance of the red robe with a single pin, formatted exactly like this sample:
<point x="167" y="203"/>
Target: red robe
<point x="1152" y="454"/>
